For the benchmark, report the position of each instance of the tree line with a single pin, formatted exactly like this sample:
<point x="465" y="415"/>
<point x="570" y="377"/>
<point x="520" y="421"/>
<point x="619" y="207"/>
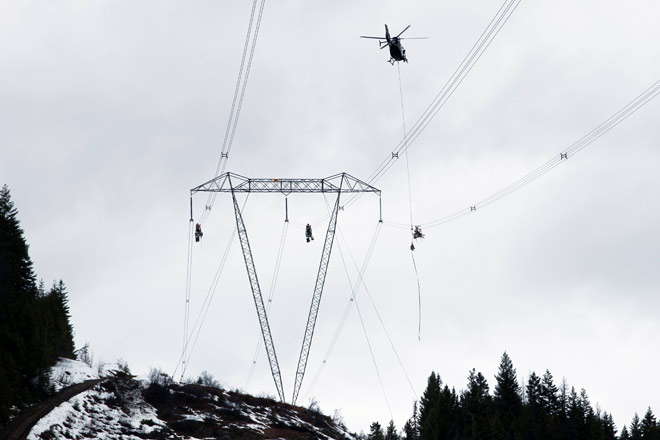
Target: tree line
<point x="35" y="328"/>
<point x="540" y="410"/>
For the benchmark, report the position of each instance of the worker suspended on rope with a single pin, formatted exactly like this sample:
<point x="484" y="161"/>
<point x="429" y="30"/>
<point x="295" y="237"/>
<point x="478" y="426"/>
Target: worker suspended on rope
<point x="198" y="232"/>
<point x="308" y="232"/>
<point x="417" y="232"/>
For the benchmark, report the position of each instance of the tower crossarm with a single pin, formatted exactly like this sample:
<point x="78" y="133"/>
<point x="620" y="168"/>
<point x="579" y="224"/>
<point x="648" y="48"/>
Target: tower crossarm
<point x="338" y="183"/>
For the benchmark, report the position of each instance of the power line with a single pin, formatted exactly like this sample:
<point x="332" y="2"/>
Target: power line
<point x="366" y="335"/>
<point x="206" y="304"/>
<point x="222" y="162"/>
<point x="354" y="291"/>
<point x="614" y="120"/>
<point x="353" y="299"/>
<point x="237" y="102"/>
<point x="382" y="323"/>
<point x="483" y="42"/>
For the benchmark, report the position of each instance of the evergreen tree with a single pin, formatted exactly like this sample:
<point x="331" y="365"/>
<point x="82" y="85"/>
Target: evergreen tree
<point x="448" y="415"/>
<point x="409" y="432"/>
<point x="476" y="404"/>
<point x="507" y="399"/>
<point x="61" y="332"/>
<point x="533" y="418"/>
<point x="549" y="396"/>
<point x="563" y="398"/>
<point x="411" y="427"/>
<point x="547" y="413"/>
<point x="428" y="407"/>
<point x="575" y="427"/>
<point x="624" y="434"/>
<point x="376" y="432"/>
<point x="18" y="328"/>
<point x="390" y="432"/>
<point x="16" y="272"/>
<point x="534" y="390"/>
<point x="635" y="428"/>
<point x="34" y="325"/>
<point x="592" y="425"/>
<point x="649" y="426"/>
<point x="609" y="427"/>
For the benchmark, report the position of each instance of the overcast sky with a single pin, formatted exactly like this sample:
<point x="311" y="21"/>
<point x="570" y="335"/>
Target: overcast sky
<point x="111" y="111"/>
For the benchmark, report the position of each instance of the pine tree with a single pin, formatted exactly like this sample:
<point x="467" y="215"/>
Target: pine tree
<point x="609" y="427"/>
<point x="428" y="407"/>
<point x="448" y="414"/>
<point x="549" y="396"/>
<point x="61" y="340"/>
<point x="534" y="390"/>
<point x="375" y="432"/>
<point x="411" y="427"/>
<point x="16" y="271"/>
<point x="563" y="398"/>
<point x="635" y="429"/>
<point x="19" y="331"/>
<point x="592" y="420"/>
<point x="390" y="432"/>
<point x="34" y="325"/>
<point x="624" y="434"/>
<point x="507" y="399"/>
<point x="477" y="407"/>
<point x="476" y="397"/>
<point x="533" y="415"/>
<point x="649" y="426"/>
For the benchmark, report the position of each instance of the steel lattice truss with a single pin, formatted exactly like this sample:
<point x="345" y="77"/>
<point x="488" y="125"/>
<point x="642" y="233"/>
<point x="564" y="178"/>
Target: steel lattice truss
<point x="230" y="182"/>
<point x="316" y="301"/>
<point x="258" y="300"/>
<point x="233" y="183"/>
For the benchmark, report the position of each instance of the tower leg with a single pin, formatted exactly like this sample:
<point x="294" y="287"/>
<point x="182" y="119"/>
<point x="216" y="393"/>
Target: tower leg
<point x="258" y="299"/>
<point x="316" y="300"/>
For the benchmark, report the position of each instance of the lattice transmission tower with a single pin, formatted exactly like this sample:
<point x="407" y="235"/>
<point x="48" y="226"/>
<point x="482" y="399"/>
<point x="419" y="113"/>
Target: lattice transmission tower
<point x="234" y="183"/>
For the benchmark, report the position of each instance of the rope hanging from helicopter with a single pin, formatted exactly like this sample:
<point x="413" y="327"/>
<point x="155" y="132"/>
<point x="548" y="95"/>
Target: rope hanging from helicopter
<point x="483" y="42"/>
<point x="414" y="230"/>
<point x="488" y="35"/>
<point x="491" y="31"/>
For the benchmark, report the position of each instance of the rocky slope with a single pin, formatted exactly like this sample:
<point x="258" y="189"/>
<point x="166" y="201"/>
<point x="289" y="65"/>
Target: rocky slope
<point x="124" y="407"/>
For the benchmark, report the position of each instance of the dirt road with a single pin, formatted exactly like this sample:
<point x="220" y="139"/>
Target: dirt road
<point x="20" y="428"/>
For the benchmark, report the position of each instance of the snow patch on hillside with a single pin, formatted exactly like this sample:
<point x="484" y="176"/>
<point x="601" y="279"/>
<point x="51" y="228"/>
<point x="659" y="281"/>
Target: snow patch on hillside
<point x="69" y="372"/>
<point x="124" y="407"/>
<point x="90" y="415"/>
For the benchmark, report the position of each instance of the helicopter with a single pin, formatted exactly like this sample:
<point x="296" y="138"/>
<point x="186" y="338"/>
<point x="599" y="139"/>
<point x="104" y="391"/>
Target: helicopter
<point x="397" y="52"/>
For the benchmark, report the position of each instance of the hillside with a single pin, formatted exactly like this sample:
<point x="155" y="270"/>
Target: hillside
<point x="123" y="406"/>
